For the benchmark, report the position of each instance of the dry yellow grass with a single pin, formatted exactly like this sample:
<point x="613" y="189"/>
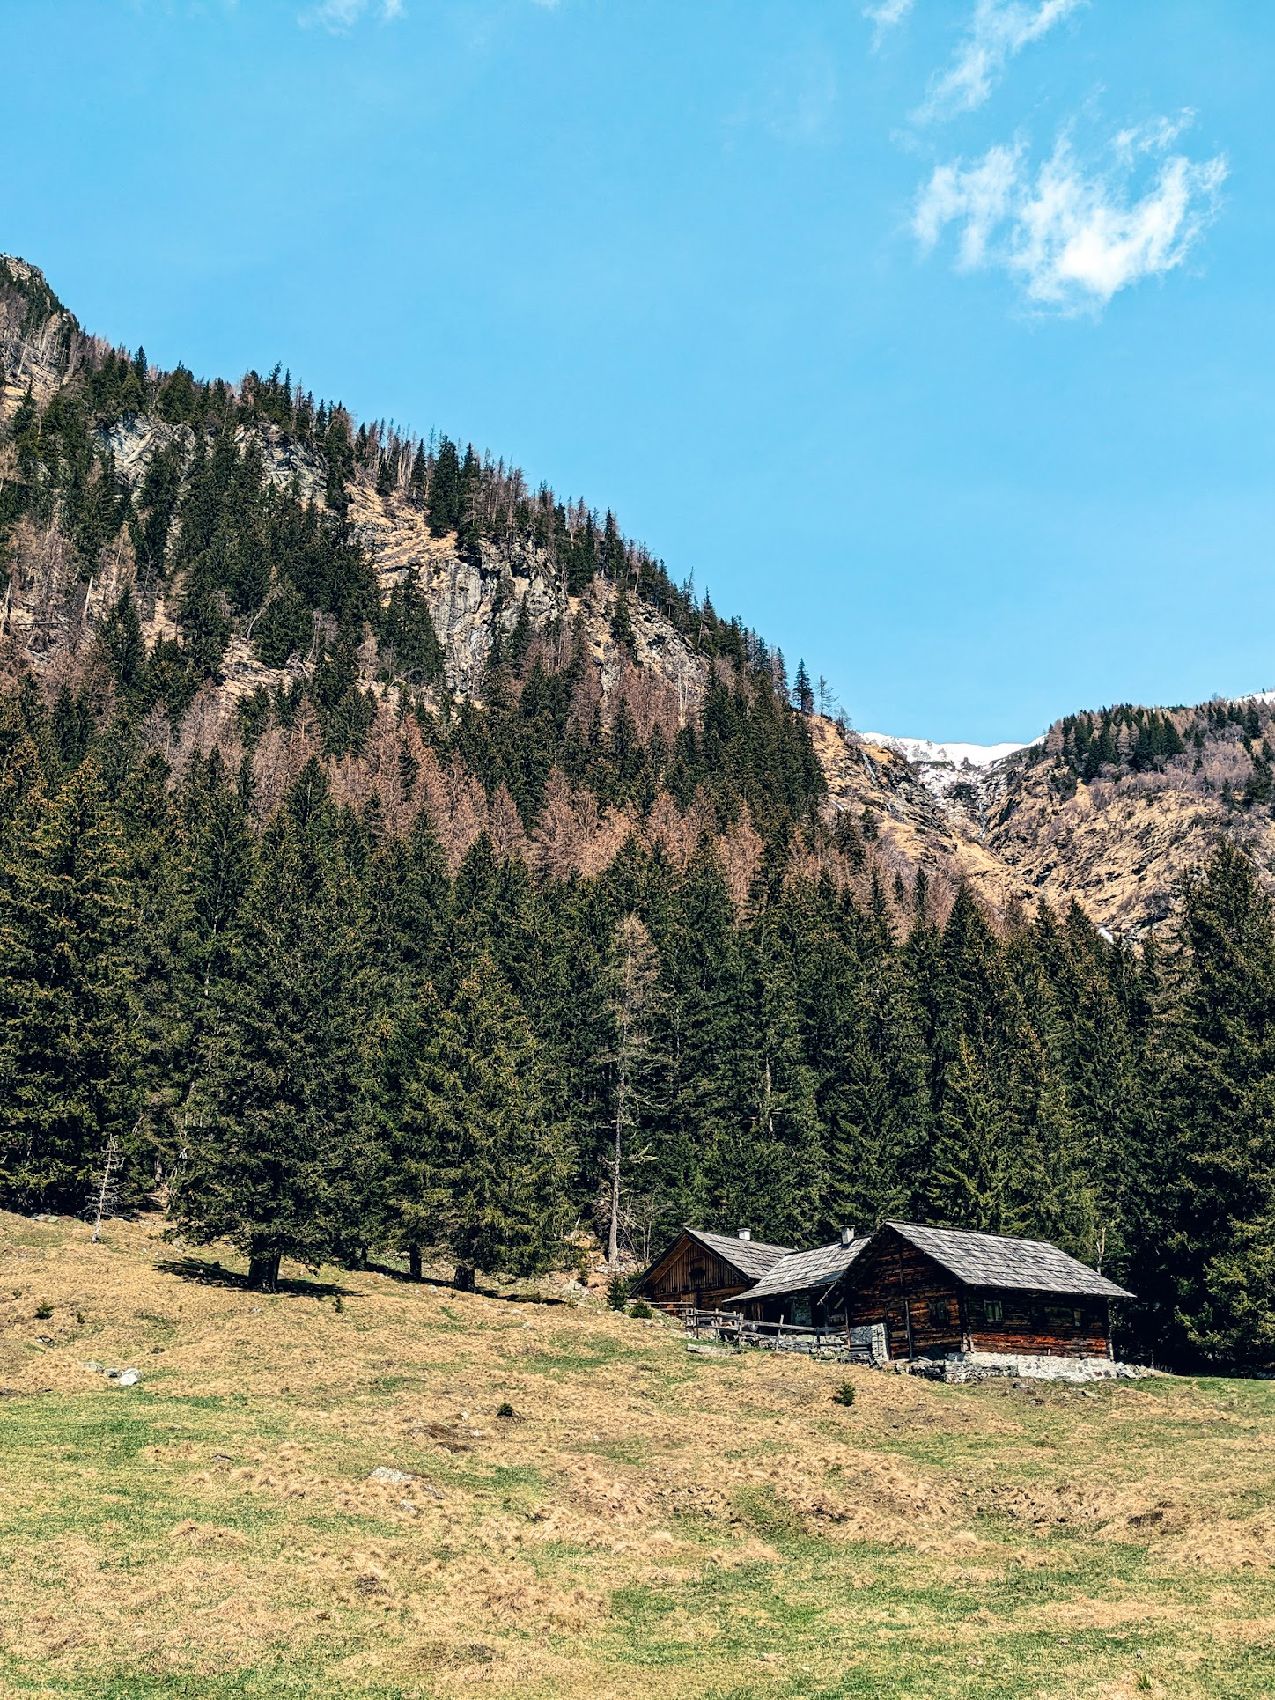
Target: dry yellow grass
<point x="648" y="1521"/>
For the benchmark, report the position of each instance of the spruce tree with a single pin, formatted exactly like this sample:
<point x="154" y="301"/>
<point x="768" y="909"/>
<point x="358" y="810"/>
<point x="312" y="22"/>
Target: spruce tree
<point x="769" y="1163"/>
<point x="443" y="508"/>
<point x="633" y="995"/>
<point x="486" y="1175"/>
<point x="67" y="1059"/>
<point x="1227" y="1109"/>
<point x="469" y="505"/>
<point x="281" y="1163"/>
<point x="971" y="1182"/>
<point x="876" y="1105"/>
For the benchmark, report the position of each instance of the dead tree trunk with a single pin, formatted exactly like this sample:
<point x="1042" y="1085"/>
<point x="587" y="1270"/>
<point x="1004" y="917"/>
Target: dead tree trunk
<point x="105" y="1193"/>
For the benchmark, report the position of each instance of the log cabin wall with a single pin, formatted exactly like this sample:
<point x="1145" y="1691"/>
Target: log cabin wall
<point x="689" y="1273"/>
<point x="1041" y="1324"/>
<point x="920" y="1304"/>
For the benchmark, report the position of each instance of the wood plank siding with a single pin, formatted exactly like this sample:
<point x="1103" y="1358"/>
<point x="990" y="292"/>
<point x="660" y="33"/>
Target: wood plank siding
<point x="689" y="1273"/>
<point x="928" y="1311"/>
<point x="920" y="1304"/>
<point x="1041" y="1324"/>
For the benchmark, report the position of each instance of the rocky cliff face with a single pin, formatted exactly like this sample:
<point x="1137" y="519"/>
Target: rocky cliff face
<point x="1026" y="829"/>
<point x="472" y="593"/>
<point x="41" y="344"/>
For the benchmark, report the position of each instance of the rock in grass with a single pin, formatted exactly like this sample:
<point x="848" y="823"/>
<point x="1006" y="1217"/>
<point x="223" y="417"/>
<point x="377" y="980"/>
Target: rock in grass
<point x="394" y="1478"/>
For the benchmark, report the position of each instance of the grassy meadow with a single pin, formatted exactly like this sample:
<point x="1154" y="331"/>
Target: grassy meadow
<point x="648" y="1522"/>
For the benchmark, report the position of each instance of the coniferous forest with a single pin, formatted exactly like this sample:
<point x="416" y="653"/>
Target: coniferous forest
<point x="298" y="1019"/>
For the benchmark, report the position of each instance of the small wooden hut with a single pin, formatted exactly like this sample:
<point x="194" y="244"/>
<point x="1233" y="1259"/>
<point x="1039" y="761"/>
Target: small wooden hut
<point x="704" y="1269"/>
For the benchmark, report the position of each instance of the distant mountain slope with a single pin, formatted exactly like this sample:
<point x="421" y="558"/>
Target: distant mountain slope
<point x="1111" y="808"/>
<point x="943" y="765"/>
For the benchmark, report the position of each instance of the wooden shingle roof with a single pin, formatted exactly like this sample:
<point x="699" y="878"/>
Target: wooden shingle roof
<point x="995" y="1260"/>
<point x="750" y="1257"/>
<point x="800" y="1271"/>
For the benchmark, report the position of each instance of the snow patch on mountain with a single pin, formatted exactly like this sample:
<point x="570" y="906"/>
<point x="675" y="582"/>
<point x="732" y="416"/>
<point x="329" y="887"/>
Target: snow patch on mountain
<point x="942" y="766"/>
<point x="945" y="755"/>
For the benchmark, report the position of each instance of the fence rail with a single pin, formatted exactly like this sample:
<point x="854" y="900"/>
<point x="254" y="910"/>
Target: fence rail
<point x="731" y="1328"/>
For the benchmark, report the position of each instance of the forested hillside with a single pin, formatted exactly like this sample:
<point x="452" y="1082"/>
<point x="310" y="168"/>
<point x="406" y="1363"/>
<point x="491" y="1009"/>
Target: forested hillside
<point x="393" y="857"/>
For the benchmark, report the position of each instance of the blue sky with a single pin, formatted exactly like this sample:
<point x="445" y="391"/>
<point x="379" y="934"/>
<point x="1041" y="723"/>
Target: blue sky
<point x="936" y="342"/>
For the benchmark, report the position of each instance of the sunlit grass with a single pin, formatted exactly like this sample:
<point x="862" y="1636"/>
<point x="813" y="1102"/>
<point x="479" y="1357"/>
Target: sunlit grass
<point x="646" y="1521"/>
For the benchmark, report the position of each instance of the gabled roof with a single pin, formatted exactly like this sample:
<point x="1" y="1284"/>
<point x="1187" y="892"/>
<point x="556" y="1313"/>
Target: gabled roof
<point x="802" y="1270"/>
<point x="750" y="1257"/>
<point x="995" y="1260"/>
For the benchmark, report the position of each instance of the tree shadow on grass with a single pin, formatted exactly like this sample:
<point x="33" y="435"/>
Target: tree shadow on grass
<point x="392" y="1274"/>
<point x="209" y="1274"/>
<point x="445" y="1286"/>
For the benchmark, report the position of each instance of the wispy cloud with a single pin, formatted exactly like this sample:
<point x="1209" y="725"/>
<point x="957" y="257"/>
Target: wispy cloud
<point x="341" y="15"/>
<point x="801" y="104"/>
<point x="998" y="32"/>
<point x="887" y="15"/>
<point x="1157" y="135"/>
<point x="1073" y="235"/>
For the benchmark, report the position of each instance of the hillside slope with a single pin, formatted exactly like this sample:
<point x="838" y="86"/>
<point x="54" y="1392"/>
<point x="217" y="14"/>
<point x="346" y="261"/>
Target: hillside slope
<point x="301" y="588"/>
<point x="514" y="578"/>
<point x="647" y="1520"/>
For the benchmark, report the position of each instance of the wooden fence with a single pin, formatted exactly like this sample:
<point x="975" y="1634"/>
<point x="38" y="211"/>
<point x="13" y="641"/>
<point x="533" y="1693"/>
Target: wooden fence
<point x="730" y="1328"/>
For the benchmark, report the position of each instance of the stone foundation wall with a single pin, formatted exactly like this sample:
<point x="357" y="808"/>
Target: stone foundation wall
<point x="991" y="1366"/>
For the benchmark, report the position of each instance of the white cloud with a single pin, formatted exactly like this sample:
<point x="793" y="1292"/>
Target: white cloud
<point x="888" y="14"/>
<point x="998" y="32"/>
<point x="978" y="197"/>
<point x="341" y="15"/>
<point x="1157" y="135"/>
<point x="1074" y="236"/>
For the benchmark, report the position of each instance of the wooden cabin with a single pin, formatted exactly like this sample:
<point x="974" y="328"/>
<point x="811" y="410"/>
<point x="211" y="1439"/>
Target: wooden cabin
<point x="942" y="1290"/>
<point x="704" y="1269"/>
<point x="796" y="1288"/>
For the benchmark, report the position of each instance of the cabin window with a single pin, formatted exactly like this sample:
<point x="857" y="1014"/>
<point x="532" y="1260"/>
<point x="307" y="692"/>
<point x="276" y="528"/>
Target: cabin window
<point x="1078" y="1317"/>
<point x="697" y="1274"/>
<point x="993" y="1310"/>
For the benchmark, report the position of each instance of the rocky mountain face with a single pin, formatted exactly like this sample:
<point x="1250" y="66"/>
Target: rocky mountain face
<point x="1101" y="811"/>
<point x="1112" y="830"/>
<point x="473" y="594"/>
